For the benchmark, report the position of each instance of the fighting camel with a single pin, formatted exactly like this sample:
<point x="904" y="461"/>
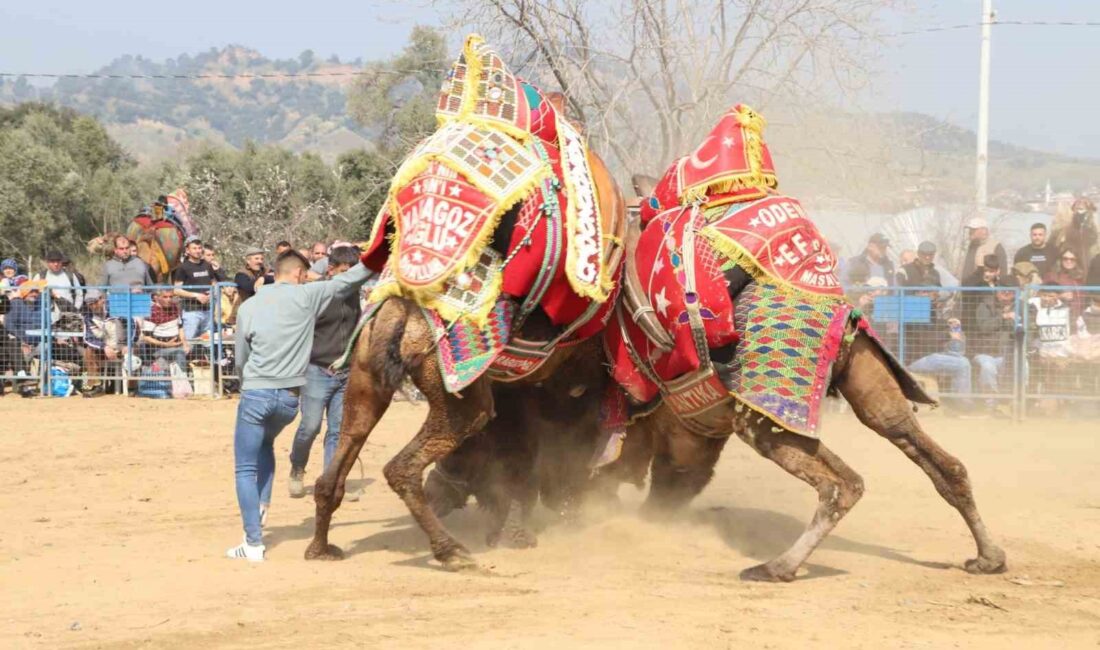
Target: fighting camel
<point x="505" y="239"/>
<point x="707" y="330"/>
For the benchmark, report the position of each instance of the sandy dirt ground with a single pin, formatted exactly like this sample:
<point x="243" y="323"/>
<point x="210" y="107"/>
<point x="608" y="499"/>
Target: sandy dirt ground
<point x="116" y="514"/>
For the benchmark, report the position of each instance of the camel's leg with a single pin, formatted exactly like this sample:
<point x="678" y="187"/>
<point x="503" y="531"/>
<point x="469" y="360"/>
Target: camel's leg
<point x="451" y="419"/>
<point x="878" y="402"/>
<point x="683" y="463"/>
<point x="367" y="397"/>
<point x="450" y="483"/>
<point x="838" y="489"/>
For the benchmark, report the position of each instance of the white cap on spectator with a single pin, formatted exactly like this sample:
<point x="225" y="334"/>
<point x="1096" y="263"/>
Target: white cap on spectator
<point x="976" y="223"/>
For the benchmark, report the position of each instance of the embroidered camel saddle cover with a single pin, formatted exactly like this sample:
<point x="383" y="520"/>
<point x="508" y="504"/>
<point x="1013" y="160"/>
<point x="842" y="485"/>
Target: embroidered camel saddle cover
<point x="777" y="338"/>
<point x="730" y="293"/>
<point x="502" y="203"/>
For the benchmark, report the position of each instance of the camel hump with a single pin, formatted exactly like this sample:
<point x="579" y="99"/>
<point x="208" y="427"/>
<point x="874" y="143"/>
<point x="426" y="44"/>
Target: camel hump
<point x="643" y="185"/>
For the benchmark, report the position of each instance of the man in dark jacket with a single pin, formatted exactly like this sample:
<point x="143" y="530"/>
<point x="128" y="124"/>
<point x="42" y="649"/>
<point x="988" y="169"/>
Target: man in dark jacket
<point x="986" y="276"/>
<point x="324" y="389"/>
<point x="1039" y="252"/>
<point x="991" y="338"/>
<point x="872" y="262"/>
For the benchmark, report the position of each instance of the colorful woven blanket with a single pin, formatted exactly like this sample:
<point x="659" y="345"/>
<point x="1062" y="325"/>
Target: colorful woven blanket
<point x="787" y="349"/>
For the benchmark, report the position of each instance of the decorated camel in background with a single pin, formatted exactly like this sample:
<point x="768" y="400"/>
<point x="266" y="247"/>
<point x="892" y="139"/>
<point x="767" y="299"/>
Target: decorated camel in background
<point x="731" y="321"/>
<point x="506" y="244"/>
<point x="159" y="233"/>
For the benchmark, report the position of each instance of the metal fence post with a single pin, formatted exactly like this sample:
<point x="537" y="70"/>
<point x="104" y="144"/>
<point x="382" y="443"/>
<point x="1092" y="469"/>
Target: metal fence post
<point x="900" y="293"/>
<point x="45" y="341"/>
<point x="1017" y="356"/>
<point x="128" y="360"/>
<point x="1025" y="344"/>
<point x="215" y="335"/>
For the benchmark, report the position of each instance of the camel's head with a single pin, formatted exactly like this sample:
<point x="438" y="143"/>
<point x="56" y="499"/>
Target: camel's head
<point x="103" y="245"/>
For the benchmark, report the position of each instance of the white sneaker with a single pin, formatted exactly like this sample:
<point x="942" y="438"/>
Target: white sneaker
<point x="246" y="551"/>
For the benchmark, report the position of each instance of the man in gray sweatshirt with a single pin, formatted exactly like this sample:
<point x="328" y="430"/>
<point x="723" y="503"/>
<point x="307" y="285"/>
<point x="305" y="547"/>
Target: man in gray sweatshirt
<point x="274" y="338"/>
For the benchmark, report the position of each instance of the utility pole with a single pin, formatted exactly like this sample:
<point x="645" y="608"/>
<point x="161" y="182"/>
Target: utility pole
<point x="982" y="176"/>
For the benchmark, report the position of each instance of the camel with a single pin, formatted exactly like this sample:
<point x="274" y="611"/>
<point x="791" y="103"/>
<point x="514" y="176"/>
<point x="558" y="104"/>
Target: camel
<point x="398" y="342"/>
<point x="149" y="250"/>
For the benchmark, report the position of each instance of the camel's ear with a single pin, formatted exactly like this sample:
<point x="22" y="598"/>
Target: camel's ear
<point x="643" y="185"/>
<point x="557" y="100"/>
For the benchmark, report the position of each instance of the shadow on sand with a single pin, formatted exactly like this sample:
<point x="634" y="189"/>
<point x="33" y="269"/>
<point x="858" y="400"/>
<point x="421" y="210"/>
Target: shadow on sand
<point x="755" y="533"/>
<point x="764" y="534"/>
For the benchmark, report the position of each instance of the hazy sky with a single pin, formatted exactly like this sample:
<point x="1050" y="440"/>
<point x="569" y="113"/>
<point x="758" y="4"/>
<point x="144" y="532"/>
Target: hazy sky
<point x="1044" y="90"/>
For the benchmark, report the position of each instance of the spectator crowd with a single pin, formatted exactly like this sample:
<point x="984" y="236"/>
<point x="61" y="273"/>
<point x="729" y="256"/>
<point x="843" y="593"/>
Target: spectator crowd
<point x="970" y="338"/>
<point x="99" y="333"/>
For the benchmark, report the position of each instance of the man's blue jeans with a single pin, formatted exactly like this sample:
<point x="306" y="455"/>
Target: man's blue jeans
<point x="195" y="323"/>
<point x="952" y="365"/>
<point x="988" y="369"/>
<point x="323" y="391"/>
<point x="261" y="415"/>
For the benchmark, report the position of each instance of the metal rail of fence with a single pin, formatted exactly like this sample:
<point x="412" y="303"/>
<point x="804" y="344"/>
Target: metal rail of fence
<point x="998" y="350"/>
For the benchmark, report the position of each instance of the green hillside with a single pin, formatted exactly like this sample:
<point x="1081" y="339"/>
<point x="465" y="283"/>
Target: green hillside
<point x="154" y="116"/>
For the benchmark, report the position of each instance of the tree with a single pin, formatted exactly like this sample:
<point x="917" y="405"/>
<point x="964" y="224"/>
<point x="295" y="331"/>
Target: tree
<point x="364" y="180"/>
<point x="61" y="178"/>
<point x="398" y="96"/>
<point x="260" y="195"/>
<point x="648" y="78"/>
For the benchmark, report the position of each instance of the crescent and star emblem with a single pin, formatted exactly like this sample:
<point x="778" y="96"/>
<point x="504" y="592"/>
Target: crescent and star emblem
<point x="702" y="164"/>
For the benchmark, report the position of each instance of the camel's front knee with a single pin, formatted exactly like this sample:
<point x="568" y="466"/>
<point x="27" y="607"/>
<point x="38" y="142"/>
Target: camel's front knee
<point x="398" y="477"/>
<point x="851" y="491"/>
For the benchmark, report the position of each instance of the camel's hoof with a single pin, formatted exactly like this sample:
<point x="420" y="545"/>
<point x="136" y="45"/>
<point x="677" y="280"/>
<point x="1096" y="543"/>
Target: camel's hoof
<point x="995" y="563"/>
<point x="460" y="561"/>
<point x="764" y="573"/>
<point x="328" y="552"/>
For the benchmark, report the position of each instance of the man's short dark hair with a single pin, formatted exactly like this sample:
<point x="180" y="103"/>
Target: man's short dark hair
<point x="209" y="247"/>
<point x="289" y="261"/>
<point x="344" y="255"/>
<point x="1038" y="225"/>
<point x="284" y="244"/>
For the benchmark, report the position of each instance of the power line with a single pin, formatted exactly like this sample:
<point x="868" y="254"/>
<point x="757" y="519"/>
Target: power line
<point x="999" y="23"/>
<point x="243" y="75"/>
<point x="358" y="73"/>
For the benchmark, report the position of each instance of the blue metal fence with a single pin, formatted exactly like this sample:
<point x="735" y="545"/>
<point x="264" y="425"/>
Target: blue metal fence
<point x="59" y="352"/>
<point x="1009" y="353"/>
